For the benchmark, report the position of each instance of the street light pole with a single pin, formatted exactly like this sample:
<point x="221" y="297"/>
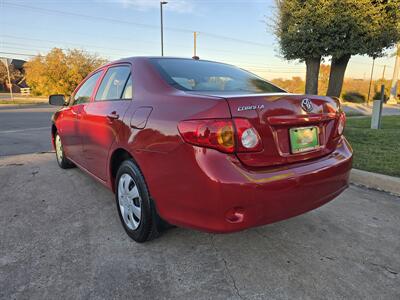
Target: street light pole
<point x="162" y="29"/>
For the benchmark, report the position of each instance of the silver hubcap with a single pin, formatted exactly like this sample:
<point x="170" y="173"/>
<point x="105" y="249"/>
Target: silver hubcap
<point x="59" y="149"/>
<point x="129" y="201"/>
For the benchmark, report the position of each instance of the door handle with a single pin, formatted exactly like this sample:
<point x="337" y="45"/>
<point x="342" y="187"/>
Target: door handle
<point x="113" y="116"/>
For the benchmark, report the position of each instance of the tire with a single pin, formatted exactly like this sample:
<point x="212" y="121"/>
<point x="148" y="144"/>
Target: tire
<point x="135" y="208"/>
<point x="62" y="160"/>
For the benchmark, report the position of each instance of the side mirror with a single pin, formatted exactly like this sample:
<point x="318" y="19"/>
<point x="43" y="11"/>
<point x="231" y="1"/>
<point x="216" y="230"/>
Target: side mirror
<point x="57" y="100"/>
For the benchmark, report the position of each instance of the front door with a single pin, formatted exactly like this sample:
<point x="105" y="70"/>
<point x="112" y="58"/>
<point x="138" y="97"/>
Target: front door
<point x="103" y="117"/>
<point x="71" y="134"/>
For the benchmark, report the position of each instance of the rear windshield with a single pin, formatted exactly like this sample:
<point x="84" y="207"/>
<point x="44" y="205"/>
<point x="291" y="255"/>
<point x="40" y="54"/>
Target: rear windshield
<point x="197" y="75"/>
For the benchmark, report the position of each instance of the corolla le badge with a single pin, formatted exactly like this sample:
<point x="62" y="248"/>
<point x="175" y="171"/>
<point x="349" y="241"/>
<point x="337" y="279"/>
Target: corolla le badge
<point x="250" y="107"/>
<point x="306" y="105"/>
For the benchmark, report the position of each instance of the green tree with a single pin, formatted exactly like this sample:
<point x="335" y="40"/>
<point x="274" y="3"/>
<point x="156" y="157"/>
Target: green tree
<point x="300" y="28"/>
<point x="364" y="27"/>
<point x="308" y="30"/>
<point x="59" y="72"/>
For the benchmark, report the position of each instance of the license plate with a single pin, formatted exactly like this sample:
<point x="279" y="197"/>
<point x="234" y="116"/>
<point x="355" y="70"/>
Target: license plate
<point x="303" y="139"/>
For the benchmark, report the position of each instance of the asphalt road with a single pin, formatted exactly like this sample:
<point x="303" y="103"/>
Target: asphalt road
<point x="25" y="129"/>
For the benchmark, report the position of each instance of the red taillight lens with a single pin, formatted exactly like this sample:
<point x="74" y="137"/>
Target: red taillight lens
<point x="217" y="134"/>
<point x="220" y="134"/>
<point x="248" y="138"/>
<point x="341" y="124"/>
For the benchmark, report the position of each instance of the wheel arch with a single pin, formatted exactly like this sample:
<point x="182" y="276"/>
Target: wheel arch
<point x="118" y="156"/>
<point x="53" y="133"/>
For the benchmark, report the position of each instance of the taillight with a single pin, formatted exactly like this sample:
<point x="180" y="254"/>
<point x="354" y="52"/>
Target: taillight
<point x="217" y="134"/>
<point x="221" y="134"/>
<point x="341" y="124"/>
<point x="248" y="138"/>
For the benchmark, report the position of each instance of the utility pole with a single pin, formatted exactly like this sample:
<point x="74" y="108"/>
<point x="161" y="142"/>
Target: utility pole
<point x="383" y="73"/>
<point x="370" y="80"/>
<point x="5" y="61"/>
<point x="395" y="80"/>
<point x="194" y="43"/>
<point x="162" y="26"/>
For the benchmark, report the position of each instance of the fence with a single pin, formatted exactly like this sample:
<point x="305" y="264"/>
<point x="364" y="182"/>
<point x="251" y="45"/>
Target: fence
<point x="25" y="91"/>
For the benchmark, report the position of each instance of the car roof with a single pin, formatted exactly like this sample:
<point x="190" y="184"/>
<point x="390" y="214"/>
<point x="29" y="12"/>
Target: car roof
<point x="135" y="58"/>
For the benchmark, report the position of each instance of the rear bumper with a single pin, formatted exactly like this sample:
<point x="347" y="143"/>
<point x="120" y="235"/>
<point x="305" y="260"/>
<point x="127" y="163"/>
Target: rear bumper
<point x="222" y="195"/>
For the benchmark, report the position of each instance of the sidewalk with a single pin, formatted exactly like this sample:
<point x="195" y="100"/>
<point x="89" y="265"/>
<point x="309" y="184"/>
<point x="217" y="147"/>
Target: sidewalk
<point x="19" y="99"/>
<point x="376" y="181"/>
<point x="388" y="109"/>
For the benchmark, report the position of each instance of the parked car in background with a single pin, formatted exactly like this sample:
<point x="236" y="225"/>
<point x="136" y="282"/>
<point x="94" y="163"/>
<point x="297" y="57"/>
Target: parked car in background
<point x="201" y="144"/>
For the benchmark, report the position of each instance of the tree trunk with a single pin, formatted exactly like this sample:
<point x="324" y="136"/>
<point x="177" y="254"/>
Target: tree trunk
<point x="312" y="74"/>
<point x="336" y="77"/>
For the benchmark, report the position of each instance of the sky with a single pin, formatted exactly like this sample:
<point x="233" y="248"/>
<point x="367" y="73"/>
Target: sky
<point x="236" y="31"/>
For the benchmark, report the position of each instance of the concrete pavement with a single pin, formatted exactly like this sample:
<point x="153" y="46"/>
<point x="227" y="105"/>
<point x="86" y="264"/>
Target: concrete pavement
<point x="388" y="109"/>
<point x="376" y="181"/>
<point x="61" y="238"/>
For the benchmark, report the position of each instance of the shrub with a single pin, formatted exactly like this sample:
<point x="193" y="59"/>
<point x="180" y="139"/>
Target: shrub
<point x="354" y="97"/>
<point x="378" y="96"/>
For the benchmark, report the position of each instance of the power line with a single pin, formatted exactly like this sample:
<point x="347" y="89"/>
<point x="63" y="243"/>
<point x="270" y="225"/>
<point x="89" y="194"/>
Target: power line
<point x="52" y="11"/>
<point x="21" y="54"/>
<point x="244" y="64"/>
<point x="61" y="42"/>
<point x="259" y="69"/>
<point x="49" y="48"/>
<point x="175" y="44"/>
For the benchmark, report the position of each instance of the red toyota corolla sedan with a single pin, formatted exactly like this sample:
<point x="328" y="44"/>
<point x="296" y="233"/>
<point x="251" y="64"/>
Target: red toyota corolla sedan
<point x="201" y="144"/>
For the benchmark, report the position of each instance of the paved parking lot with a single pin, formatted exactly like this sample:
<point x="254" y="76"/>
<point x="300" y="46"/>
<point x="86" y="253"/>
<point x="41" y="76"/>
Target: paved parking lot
<point x="61" y="238"/>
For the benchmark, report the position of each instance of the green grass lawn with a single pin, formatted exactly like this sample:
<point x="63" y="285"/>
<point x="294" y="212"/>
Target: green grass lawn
<point x="354" y="114"/>
<point x="375" y="150"/>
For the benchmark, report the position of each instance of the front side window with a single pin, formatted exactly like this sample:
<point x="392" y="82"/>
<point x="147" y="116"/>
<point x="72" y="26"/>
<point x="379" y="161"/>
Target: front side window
<point x="85" y="91"/>
<point x="114" y="84"/>
<point x="197" y="75"/>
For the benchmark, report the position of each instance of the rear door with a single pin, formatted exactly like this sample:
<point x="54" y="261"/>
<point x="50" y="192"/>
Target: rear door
<point x="103" y="117"/>
<point x="71" y="131"/>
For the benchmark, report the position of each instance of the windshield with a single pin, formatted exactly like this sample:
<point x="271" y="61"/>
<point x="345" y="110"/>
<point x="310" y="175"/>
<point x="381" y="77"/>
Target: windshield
<point x="197" y="75"/>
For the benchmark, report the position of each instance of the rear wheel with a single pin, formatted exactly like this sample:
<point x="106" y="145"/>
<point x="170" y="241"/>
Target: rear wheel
<point x="135" y="208"/>
<point x="62" y="160"/>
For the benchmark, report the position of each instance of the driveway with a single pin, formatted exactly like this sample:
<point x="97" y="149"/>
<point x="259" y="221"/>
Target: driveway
<point x="61" y="238"/>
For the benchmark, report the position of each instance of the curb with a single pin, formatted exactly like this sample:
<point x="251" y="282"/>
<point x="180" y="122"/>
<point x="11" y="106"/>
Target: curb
<point x="376" y="181"/>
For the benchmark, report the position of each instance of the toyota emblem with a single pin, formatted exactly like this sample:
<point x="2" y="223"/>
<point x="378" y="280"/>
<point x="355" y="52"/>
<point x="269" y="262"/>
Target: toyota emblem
<point x="306" y="105"/>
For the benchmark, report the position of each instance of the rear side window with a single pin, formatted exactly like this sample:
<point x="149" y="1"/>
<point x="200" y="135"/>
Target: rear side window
<point x="128" y="89"/>
<point x="85" y="91"/>
<point x="114" y="84"/>
<point x="197" y="75"/>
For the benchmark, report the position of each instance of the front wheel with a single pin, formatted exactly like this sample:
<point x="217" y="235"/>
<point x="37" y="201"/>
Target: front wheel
<point x="62" y="160"/>
<point x="135" y="208"/>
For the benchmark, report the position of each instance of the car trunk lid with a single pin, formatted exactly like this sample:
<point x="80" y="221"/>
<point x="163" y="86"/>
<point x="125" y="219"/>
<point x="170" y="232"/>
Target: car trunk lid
<point x="274" y="116"/>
